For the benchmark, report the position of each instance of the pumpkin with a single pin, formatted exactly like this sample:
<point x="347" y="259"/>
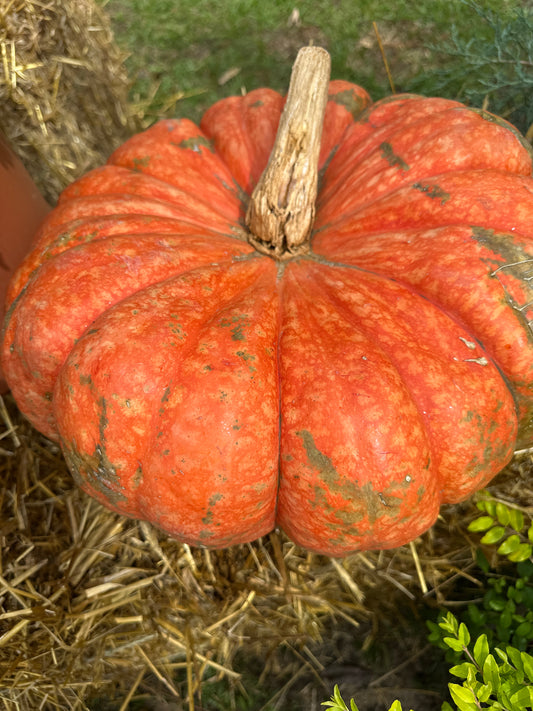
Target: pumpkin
<point x="242" y="325"/>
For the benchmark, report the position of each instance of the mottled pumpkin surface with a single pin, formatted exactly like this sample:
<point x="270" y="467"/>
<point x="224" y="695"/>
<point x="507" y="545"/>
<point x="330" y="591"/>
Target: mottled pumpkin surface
<point x="343" y="395"/>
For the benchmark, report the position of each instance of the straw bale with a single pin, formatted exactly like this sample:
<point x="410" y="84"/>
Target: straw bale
<point x="95" y="606"/>
<point x="63" y="88"/>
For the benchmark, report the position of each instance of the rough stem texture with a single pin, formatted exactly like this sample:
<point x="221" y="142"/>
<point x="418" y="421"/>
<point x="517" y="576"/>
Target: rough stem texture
<point x="282" y="207"/>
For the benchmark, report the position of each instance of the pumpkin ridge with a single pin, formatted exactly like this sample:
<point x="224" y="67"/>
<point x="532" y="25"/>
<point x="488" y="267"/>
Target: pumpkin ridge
<point x="330" y="377"/>
<point x="128" y="204"/>
<point x="438" y="200"/>
<point x="431" y="262"/>
<point x="185" y="353"/>
<point x="72" y="234"/>
<point x="393" y="351"/>
<point x="417" y="153"/>
<point x="165" y="151"/>
<point x="255" y="118"/>
<point x="106" y="272"/>
<point x="363" y="136"/>
<point x="448" y="124"/>
<point x="113" y="180"/>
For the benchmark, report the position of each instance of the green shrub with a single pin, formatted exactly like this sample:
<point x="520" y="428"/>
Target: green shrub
<point x="486" y="651"/>
<point x="337" y="703"/>
<point x="498" y="678"/>
<point x="491" y="68"/>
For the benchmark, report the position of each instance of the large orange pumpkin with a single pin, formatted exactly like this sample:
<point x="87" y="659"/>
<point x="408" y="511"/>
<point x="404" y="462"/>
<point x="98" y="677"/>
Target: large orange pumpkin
<point x="219" y="382"/>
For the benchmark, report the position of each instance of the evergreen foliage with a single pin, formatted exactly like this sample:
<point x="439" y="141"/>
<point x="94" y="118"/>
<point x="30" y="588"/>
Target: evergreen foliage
<point x="492" y="69"/>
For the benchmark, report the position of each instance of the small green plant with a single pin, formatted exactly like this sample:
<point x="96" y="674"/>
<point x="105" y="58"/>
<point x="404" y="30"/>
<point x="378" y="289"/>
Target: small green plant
<point x="505" y="613"/>
<point x="337" y="703"/>
<point x="506" y="525"/>
<point x="494" y="678"/>
<point x="488" y="649"/>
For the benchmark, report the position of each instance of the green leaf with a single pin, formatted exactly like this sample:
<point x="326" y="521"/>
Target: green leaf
<point x="503" y="513"/>
<point x="481" y="560"/>
<point x="471" y="679"/>
<point x="520" y="699"/>
<point x="527" y="661"/>
<point x="530" y="533"/>
<point x="454" y="644"/>
<point x="396" y="706"/>
<point x="495" y="603"/>
<point x="483" y="692"/>
<point x="524" y="630"/>
<point x="463" y="635"/>
<point x="509" y="545"/>
<point x="481" y="649"/>
<point x="523" y="552"/>
<point x="506" y="618"/>
<point x="464" y="698"/>
<point x="481" y="524"/>
<point x="493" y="535"/>
<point x="337" y="703"/>
<point x="487" y="505"/>
<point x="463" y="670"/>
<point x="515" y="658"/>
<point x="449" y="623"/>
<point x="516" y="519"/>
<point x="506" y="699"/>
<point x="503" y="656"/>
<point x="445" y="706"/>
<point x="491" y="672"/>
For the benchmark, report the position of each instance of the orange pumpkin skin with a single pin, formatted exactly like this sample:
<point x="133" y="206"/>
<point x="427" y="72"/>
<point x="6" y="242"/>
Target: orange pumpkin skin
<point x="342" y="395"/>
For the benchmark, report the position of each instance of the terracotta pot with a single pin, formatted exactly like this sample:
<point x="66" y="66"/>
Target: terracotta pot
<point x="22" y="207"/>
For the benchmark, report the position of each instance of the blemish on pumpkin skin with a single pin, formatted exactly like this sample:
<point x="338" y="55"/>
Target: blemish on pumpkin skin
<point x="137" y="477"/>
<point x="433" y="191"/>
<point x="247" y="357"/>
<point x="177" y="329"/>
<point x="203" y="535"/>
<point x="97" y="472"/>
<point x="207" y="520"/>
<point x="141" y="162"/>
<point x="392" y="159"/>
<point x="195" y="144"/>
<point x="371" y="503"/>
<point x="508" y="262"/>
<point x="236" y="325"/>
<point x="351" y="101"/>
<point x="103" y="420"/>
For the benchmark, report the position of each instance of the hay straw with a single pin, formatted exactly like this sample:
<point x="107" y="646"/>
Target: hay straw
<point x="63" y="88"/>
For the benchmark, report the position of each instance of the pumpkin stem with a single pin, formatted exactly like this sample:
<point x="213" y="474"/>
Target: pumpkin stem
<point x="282" y="206"/>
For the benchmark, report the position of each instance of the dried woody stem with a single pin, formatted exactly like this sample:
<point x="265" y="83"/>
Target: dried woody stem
<point x="282" y="206"/>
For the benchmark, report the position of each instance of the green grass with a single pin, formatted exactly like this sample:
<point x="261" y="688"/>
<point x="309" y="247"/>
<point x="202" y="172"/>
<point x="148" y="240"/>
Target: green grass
<point x="180" y="49"/>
